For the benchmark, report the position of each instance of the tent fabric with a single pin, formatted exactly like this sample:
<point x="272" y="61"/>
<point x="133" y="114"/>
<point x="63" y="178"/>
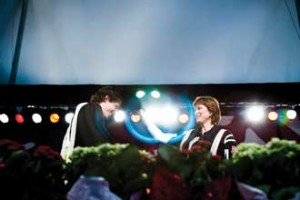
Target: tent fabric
<point x="151" y="42"/>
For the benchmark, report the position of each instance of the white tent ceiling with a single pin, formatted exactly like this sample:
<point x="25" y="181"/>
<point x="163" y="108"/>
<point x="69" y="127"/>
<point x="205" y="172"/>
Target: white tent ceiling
<point x="151" y="42"/>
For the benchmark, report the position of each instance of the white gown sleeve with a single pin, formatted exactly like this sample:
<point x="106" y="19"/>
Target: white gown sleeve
<point x="155" y="131"/>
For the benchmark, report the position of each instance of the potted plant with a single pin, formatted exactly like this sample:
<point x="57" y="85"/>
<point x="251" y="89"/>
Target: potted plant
<point x="37" y="172"/>
<point x="273" y="168"/>
<point x="126" y="169"/>
<point x="194" y="174"/>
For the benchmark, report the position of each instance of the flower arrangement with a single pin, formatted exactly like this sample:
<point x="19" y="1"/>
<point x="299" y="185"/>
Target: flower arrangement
<point x="195" y="173"/>
<point x="126" y="168"/>
<point x="35" y="173"/>
<point x="273" y="168"/>
<point x="39" y="172"/>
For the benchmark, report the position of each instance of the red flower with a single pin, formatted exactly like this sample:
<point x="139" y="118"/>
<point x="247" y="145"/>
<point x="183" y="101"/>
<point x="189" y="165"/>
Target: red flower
<point x="167" y="185"/>
<point x="47" y="152"/>
<point x="2" y="165"/>
<point x="217" y="157"/>
<point x="201" y="146"/>
<point x="218" y="189"/>
<point x="10" y="145"/>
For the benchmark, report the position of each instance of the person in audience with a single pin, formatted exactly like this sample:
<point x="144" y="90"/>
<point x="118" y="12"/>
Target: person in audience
<point x="208" y="117"/>
<point x="89" y="123"/>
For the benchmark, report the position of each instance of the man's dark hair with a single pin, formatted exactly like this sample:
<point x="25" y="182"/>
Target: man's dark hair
<point x="106" y="91"/>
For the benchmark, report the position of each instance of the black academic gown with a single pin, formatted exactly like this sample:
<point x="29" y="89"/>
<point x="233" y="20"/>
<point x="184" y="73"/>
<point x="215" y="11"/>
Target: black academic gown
<point x="91" y="126"/>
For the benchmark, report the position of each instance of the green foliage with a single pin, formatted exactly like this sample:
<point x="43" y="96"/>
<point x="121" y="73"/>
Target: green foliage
<point x="274" y="167"/>
<point x="124" y="166"/>
<point x="40" y="172"/>
<point x="197" y="168"/>
<point x="37" y="173"/>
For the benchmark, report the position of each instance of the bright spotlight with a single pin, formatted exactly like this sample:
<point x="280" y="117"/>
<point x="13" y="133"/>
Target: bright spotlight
<point x="19" y="118"/>
<point x="155" y="94"/>
<point x="153" y="113"/>
<point x="183" y="118"/>
<point x="36" y="118"/>
<point x="135" y="118"/>
<point x="255" y="113"/>
<point x="164" y="115"/>
<point x="69" y="117"/>
<point x="54" y="118"/>
<point x="170" y="114"/>
<point x="4" y="118"/>
<point x="119" y="116"/>
<point x="140" y="94"/>
<point x="291" y="114"/>
<point x="273" y="115"/>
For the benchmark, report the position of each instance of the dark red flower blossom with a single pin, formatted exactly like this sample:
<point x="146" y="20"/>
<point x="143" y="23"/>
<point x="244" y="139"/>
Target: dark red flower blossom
<point x="167" y="185"/>
<point x="2" y="165"/>
<point x="46" y="152"/>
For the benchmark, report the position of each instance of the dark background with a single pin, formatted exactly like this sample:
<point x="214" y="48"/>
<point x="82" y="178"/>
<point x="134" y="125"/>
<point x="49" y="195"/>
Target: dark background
<point x="72" y="94"/>
<point x="63" y="98"/>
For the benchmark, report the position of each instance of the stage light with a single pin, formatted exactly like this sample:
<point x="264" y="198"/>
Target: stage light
<point x="183" y="118"/>
<point x="36" y="118"/>
<point x="4" y="118"/>
<point x="68" y="117"/>
<point x="135" y="118"/>
<point x="291" y="114"/>
<point x="170" y="115"/>
<point x="273" y="115"/>
<point x="140" y="94"/>
<point x="165" y="114"/>
<point x="54" y="118"/>
<point x="119" y="116"/>
<point x="19" y="118"/>
<point x="153" y="113"/>
<point x="155" y="94"/>
<point x="163" y="110"/>
<point x="255" y="113"/>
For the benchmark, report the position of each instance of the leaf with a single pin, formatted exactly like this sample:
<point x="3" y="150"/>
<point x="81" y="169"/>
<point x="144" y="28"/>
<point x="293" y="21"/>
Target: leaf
<point x="175" y="160"/>
<point x="286" y="193"/>
<point x="17" y="159"/>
